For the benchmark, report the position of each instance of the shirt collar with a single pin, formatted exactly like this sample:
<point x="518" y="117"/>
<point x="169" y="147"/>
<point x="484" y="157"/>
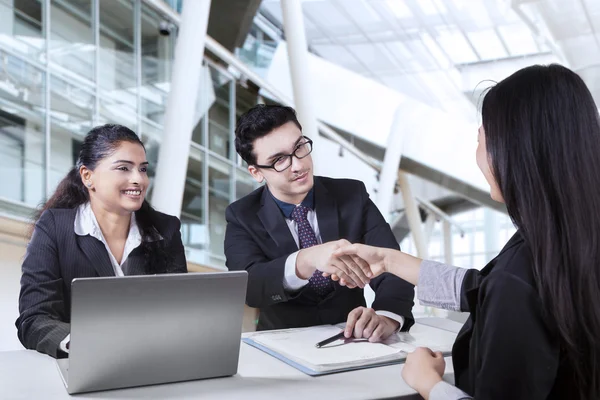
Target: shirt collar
<point x="87" y="224"/>
<point x="287" y="208"/>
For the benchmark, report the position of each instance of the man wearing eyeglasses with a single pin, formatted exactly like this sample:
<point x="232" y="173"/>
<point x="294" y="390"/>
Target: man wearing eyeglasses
<point x="284" y="234"/>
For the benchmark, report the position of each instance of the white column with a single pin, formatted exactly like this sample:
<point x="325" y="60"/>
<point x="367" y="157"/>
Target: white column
<point x="413" y="215"/>
<point x="164" y="50"/>
<point x="414" y="223"/>
<point x="181" y="107"/>
<point x="388" y="177"/>
<point x="447" y="242"/>
<point x="389" y="171"/>
<point x="293" y="22"/>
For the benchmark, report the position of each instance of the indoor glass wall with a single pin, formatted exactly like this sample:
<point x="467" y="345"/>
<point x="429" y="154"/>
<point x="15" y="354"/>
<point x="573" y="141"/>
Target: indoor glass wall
<point x="69" y="65"/>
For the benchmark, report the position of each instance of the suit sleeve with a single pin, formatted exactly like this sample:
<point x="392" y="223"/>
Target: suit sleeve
<point x="265" y="276"/>
<point x="518" y="358"/>
<point x="177" y="251"/>
<point x="391" y="293"/>
<point x="41" y="324"/>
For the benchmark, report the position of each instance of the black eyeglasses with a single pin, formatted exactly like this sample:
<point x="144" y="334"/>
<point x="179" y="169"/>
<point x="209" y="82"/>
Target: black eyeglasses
<point x="284" y="161"/>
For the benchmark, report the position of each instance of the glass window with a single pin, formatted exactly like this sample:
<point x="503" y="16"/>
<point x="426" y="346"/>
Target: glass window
<point x="462" y="245"/>
<point x="21" y="83"/>
<point x="175" y="4"/>
<point x="118" y="112"/>
<point x="480" y="260"/>
<point x="71" y="117"/>
<point x="64" y="145"/>
<point x="12" y="154"/>
<point x="22" y="131"/>
<point x="158" y="47"/>
<point x="149" y="130"/>
<point x="246" y="97"/>
<point x="22" y="150"/>
<point x="219" y="115"/>
<point x="21" y="27"/>
<point x="479" y="241"/>
<point x="258" y="50"/>
<point x="198" y="132"/>
<point x="117" y="69"/>
<point x="72" y="106"/>
<point x="150" y="136"/>
<point x="72" y="48"/>
<point x="463" y="261"/>
<point x="435" y="246"/>
<point x="205" y="102"/>
<point x="152" y="147"/>
<point x="194" y="233"/>
<point x="193" y="228"/>
<point x="219" y="175"/>
<point x="245" y="184"/>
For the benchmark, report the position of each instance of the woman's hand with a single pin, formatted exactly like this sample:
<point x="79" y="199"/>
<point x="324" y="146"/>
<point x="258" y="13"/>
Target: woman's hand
<point x="353" y="271"/>
<point x="423" y="370"/>
<point x="381" y="260"/>
<point x="375" y="257"/>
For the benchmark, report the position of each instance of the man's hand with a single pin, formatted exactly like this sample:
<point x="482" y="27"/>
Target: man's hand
<point x="352" y="270"/>
<point x="423" y="370"/>
<point x="365" y="323"/>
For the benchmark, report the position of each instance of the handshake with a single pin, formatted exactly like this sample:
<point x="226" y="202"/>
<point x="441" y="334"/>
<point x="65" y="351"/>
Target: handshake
<point x="353" y="265"/>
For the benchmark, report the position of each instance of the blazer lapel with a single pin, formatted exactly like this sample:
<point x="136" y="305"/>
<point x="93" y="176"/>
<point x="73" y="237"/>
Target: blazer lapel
<point x="274" y="222"/>
<point x="96" y="253"/>
<point x="327" y="213"/>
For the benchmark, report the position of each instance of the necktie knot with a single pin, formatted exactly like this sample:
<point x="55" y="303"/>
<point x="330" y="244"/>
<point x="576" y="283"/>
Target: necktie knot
<point x="300" y="213"/>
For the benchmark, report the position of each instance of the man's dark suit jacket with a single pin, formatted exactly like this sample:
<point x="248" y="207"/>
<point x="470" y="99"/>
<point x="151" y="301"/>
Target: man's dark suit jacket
<point x="259" y="241"/>
<point x="55" y="256"/>
<point x="509" y="348"/>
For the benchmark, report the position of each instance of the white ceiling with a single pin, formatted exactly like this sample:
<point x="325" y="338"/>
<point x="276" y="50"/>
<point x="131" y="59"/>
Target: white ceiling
<point x="417" y="47"/>
<point x="574" y="27"/>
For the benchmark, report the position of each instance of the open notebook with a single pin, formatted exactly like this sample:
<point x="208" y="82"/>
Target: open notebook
<point x="297" y="347"/>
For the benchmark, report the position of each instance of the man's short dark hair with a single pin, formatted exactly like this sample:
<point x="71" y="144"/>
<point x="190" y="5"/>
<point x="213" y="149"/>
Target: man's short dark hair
<point x="257" y="122"/>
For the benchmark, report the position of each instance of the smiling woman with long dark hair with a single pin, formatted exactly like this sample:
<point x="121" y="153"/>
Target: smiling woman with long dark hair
<point x="97" y="223"/>
<point x="534" y="326"/>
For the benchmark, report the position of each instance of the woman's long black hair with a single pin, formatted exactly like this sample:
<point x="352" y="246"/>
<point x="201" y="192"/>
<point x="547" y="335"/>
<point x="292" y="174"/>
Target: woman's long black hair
<point x="98" y="144"/>
<point x="542" y="134"/>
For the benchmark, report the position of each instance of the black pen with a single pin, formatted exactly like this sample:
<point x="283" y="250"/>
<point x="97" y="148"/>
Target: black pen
<point x="331" y="339"/>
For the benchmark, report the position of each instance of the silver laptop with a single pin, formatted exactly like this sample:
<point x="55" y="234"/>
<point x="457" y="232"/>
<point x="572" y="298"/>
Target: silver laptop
<point x="145" y="330"/>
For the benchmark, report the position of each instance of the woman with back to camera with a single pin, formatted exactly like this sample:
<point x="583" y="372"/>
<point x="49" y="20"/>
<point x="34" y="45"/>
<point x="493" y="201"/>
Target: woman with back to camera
<point x="97" y="223"/>
<point x="534" y="325"/>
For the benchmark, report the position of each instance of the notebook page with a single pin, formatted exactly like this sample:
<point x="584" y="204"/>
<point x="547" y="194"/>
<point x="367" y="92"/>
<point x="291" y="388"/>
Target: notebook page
<point x="299" y="345"/>
<point x="423" y="336"/>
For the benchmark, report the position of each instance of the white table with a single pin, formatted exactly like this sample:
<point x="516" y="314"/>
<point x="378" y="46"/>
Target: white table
<point x="26" y="374"/>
